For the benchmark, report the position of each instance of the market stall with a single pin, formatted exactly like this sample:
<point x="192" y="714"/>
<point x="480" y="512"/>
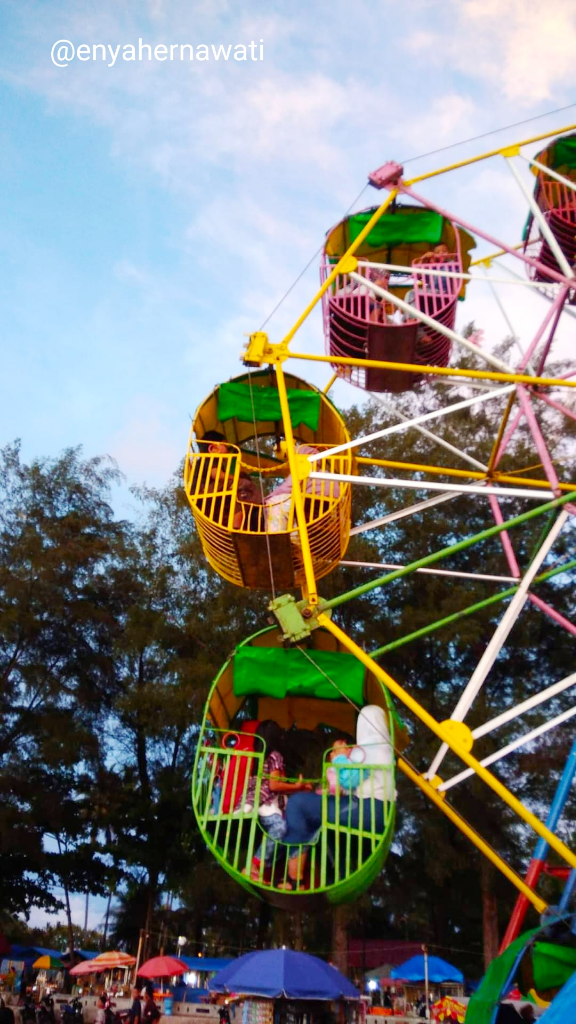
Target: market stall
<point x="281" y="986"/>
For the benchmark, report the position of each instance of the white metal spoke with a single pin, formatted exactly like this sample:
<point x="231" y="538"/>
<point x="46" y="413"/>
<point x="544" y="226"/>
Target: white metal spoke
<point x="525" y="705"/>
<point x="543" y="292"/>
<point x="542" y="222"/>
<point x="431" y="572"/>
<point x="507" y="320"/>
<point x="427" y="485"/>
<point x="408" y="271"/>
<point x="423" y="418"/>
<point x="549" y="171"/>
<point x="417" y="314"/>
<point x="428" y="433"/>
<point x="401" y="513"/>
<point x="499" y="638"/>
<point x="509" y="748"/>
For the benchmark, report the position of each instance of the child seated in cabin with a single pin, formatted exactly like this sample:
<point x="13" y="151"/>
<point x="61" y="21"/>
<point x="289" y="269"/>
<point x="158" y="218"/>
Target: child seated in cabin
<point x="249" y="493"/>
<point x="272" y="799"/>
<point x="279" y="501"/>
<point x="345" y="776"/>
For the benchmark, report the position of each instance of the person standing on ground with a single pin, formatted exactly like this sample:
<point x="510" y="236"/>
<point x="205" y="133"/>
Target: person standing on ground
<point x="135" y="1011"/>
<point x="151" y="1012"/>
<point x="101" y="1010"/>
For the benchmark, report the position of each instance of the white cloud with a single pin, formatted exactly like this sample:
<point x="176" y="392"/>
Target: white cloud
<point x="444" y="120"/>
<point x="522" y="51"/>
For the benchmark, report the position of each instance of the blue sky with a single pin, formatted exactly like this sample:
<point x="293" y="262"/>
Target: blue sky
<point x="154" y="212"/>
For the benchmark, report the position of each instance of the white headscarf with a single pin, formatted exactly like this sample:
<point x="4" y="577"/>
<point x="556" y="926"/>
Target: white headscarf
<point x="373" y="736"/>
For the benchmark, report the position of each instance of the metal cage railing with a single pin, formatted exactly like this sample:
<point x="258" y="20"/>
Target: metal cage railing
<point x="237" y="535"/>
<point x="342" y="855"/>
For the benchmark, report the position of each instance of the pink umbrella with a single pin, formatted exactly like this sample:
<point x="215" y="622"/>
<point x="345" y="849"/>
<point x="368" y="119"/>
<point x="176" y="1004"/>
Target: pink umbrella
<point x="162" y="967"/>
<point x="86" y="967"/>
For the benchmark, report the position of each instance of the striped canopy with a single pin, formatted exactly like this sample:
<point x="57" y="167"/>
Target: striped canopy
<point x="114" y="959"/>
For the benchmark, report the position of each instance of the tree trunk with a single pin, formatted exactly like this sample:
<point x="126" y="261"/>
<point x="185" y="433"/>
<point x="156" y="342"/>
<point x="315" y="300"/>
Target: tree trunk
<point x="340" y="938"/>
<point x="152" y="884"/>
<point x="68" y="911"/>
<point x="489" y="914"/>
<point x="107" y="919"/>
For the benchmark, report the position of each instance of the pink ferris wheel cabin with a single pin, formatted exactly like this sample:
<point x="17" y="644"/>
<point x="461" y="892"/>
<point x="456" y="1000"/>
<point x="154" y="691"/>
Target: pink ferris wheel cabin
<point x="557" y="201"/>
<point x="414" y="254"/>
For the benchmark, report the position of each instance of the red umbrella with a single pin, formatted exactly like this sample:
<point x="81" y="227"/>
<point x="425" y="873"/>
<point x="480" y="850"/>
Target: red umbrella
<point x="162" y="967"/>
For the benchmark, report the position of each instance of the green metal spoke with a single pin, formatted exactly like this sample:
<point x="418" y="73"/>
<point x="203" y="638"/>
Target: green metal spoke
<point x="437" y="556"/>
<point x="464" y="612"/>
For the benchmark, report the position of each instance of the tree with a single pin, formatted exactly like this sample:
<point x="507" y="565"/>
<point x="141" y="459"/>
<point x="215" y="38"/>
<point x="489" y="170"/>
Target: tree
<point x="57" y="537"/>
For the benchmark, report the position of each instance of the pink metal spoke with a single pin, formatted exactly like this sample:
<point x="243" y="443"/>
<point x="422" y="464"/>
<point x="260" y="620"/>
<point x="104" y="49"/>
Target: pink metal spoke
<point x="555" y="404"/>
<point x="508" y="436"/>
<point x="504" y="538"/>
<point x="564" y="293"/>
<point x="538" y="438"/>
<point x="553" y="314"/>
<point x="552" y="613"/>
<point x="536" y="264"/>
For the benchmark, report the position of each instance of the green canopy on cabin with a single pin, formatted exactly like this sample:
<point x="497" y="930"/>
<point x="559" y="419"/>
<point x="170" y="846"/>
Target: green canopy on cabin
<point x="280" y="672"/>
<point x="246" y="403"/>
<point x="404" y="225"/>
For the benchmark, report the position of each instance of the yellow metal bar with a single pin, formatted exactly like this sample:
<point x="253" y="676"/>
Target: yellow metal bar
<point x="330" y="383"/>
<point x="473" y="836"/>
<point x="494" y="255"/>
<point x="501" y="429"/>
<point x="488" y="154"/>
<point x="296" y="492"/>
<point x="340" y="267"/>
<point x="472" y="474"/>
<point x="439" y="371"/>
<point x="446" y="735"/>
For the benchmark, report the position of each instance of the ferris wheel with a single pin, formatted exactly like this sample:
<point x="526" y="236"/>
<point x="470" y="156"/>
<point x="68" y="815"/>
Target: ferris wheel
<point x="270" y="474"/>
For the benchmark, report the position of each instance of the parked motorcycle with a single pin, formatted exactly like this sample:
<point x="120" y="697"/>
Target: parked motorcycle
<point x="45" y="1011"/>
<point x="73" y="1012"/>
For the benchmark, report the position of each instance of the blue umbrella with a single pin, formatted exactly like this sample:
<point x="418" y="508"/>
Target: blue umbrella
<point x="438" y="970"/>
<point x="283" y="972"/>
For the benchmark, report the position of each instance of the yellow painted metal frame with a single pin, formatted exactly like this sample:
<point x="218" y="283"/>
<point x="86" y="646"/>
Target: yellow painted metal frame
<point x="258" y="351"/>
<point x="501" y="478"/>
<point x="212" y="482"/>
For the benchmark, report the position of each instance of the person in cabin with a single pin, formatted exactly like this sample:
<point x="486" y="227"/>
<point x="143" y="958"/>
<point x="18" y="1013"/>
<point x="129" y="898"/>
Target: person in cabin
<point x="272" y="798"/>
<point x="380" y="311"/>
<point x="248" y="492"/>
<point x="439" y="254"/>
<point x="279" y="502"/>
<point x="343" y="775"/>
<point x="364" y="808"/>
